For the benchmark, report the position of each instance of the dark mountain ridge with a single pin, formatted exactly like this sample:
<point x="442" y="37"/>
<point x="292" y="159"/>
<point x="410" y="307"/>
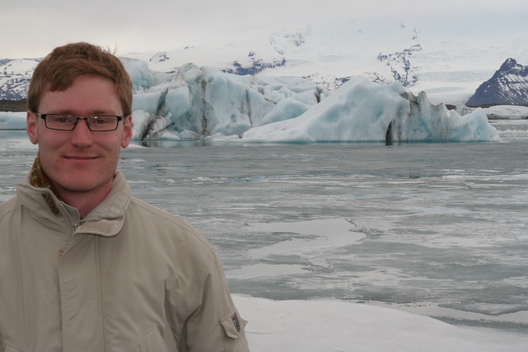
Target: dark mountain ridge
<point x="508" y="86"/>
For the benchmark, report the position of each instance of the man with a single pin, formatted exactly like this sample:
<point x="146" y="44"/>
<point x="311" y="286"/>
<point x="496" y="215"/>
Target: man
<point x="84" y="266"/>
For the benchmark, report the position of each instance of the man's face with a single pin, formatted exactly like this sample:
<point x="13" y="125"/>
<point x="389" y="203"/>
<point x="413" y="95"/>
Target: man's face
<point x="80" y="162"/>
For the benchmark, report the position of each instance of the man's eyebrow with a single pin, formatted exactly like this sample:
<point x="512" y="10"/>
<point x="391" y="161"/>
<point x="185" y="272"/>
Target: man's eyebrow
<point x="91" y="113"/>
<point x="64" y="112"/>
<point x="104" y="112"/>
<point x="101" y="112"/>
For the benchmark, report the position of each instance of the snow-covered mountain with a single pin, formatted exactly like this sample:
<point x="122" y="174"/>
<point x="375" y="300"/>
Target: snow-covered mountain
<point x="14" y="78"/>
<point x="447" y="59"/>
<point x="329" y="55"/>
<point x="508" y="86"/>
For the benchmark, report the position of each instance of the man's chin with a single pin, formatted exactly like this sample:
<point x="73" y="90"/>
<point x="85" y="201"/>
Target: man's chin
<point x="81" y="185"/>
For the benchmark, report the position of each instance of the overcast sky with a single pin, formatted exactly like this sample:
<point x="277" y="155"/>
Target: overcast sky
<point x="31" y="28"/>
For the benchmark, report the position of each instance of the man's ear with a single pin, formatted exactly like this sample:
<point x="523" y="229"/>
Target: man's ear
<point x="31" y="126"/>
<point x="127" y="132"/>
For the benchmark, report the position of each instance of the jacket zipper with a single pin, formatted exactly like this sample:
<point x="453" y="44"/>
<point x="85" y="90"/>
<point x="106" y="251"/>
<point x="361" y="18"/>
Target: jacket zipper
<point x="72" y="226"/>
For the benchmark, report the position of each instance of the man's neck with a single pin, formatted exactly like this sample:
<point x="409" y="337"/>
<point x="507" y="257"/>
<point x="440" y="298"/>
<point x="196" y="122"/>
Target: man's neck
<point x="84" y="202"/>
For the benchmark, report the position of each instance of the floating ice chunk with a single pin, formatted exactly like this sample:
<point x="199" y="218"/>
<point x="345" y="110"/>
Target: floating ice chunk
<point x="13" y="120"/>
<point x="362" y="111"/>
<point x="209" y="102"/>
<point x="140" y="75"/>
<point x="285" y="109"/>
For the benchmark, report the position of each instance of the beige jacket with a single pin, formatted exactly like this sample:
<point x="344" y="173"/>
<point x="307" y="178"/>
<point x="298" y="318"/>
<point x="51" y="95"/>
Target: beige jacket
<point x="128" y="277"/>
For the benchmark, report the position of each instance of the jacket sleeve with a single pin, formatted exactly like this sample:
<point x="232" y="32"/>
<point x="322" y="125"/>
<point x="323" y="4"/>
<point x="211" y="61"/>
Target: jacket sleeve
<point x="215" y="325"/>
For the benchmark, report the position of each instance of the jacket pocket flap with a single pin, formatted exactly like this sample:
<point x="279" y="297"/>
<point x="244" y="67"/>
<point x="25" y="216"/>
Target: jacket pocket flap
<point x="153" y="342"/>
<point x="233" y="324"/>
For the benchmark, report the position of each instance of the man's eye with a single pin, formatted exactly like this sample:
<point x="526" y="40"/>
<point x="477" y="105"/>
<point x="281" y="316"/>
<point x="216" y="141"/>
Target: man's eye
<point x="63" y="119"/>
<point x="98" y="120"/>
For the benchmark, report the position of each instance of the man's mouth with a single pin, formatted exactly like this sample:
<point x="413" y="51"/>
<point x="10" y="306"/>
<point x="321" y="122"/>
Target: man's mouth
<point x="81" y="157"/>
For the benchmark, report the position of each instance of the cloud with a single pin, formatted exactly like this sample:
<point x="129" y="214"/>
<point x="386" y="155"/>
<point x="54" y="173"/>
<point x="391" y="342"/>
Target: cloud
<point x="36" y="27"/>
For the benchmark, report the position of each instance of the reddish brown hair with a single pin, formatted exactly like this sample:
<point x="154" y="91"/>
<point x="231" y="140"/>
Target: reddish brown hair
<point x="59" y="69"/>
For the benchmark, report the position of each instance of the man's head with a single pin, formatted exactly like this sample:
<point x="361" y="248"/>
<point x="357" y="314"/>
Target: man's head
<point x="80" y="116"/>
<point x="58" y="70"/>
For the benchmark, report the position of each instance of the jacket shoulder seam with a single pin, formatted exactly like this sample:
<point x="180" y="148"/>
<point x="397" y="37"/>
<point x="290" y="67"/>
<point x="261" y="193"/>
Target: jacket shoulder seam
<point x="8" y="207"/>
<point x="172" y="218"/>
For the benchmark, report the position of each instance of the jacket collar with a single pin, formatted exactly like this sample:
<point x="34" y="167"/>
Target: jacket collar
<point x="36" y="194"/>
<point x="39" y="179"/>
<point x="108" y="217"/>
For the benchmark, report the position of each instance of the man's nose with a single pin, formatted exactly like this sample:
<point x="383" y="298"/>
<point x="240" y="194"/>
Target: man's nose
<point x="81" y="134"/>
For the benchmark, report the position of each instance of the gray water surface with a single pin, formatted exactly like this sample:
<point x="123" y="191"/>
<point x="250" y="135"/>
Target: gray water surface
<point x="439" y="229"/>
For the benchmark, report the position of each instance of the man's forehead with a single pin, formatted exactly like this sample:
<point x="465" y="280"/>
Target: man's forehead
<point x="56" y="85"/>
<point x="83" y="96"/>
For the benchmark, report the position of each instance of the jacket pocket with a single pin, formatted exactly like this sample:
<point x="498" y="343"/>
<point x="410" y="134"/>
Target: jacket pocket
<point x="153" y="342"/>
<point x="234" y="338"/>
<point x="233" y="325"/>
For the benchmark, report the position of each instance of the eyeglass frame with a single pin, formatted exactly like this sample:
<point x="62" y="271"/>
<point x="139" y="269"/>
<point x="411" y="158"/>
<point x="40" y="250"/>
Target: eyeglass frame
<point x="77" y="118"/>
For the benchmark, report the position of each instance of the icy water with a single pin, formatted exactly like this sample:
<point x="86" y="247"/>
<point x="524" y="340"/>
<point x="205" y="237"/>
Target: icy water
<point x="437" y="229"/>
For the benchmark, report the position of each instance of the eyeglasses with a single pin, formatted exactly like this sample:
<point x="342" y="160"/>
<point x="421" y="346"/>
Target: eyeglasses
<point x="67" y="122"/>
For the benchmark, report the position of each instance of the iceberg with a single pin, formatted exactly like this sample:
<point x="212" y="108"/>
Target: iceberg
<point x="363" y="111"/>
<point x="140" y="75"/>
<point x="203" y="102"/>
<point x="194" y="102"/>
<point x="12" y="120"/>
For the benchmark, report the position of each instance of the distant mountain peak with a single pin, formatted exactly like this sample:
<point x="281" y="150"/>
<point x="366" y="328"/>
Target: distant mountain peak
<point x="508" y="64"/>
<point x="401" y="65"/>
<point x="159" y="57"/>
<point x="282" y="42"/>
<point x="257" y="65"/>
<point x="14" y="78"/>
<point x="508" y="86"/>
